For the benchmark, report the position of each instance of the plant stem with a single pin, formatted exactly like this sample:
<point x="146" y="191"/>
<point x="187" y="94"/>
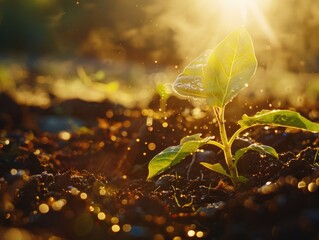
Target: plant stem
<point x="219" y="113"/>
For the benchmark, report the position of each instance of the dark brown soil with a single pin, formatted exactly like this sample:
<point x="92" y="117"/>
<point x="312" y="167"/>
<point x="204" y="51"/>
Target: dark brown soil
<point x="77" y="170"/>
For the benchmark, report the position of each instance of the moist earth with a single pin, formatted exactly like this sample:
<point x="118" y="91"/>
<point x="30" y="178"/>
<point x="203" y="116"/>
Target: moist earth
<point x="77" y="170"/>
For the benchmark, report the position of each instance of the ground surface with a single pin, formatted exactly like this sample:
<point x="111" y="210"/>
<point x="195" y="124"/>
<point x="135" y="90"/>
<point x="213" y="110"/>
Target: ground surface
<point x="77" y="171"/>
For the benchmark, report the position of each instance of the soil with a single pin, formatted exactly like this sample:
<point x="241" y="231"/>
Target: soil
<point x="77" y="170"/>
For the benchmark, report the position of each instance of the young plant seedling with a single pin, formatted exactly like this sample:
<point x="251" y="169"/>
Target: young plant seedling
<point x="164" y="92"/>
<point x="218" y="75"/>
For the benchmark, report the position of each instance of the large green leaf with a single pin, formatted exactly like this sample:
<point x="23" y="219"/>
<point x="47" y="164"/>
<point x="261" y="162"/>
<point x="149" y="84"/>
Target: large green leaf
<point x="219" y="74"/>
<point x="230" y="67"/>
<point x="173" y="155"/>
<point x="262" y="149"/>
<point x="283" y="118"/>
<point x="190" y="81"/>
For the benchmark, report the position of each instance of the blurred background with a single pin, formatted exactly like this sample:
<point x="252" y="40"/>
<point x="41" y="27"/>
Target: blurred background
<point x="122" y="49"/>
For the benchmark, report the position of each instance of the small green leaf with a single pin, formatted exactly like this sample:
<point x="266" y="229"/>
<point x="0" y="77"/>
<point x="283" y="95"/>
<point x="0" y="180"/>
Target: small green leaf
<point x="217" y="167"/>
<point x="173" y="155"/>
<point x="262" y="149"/>
<point x="242" y="179"/>
<point x="230" y="67"/>
<point x="282" y="118"/>
<point x="162" y="90"/>
<point x="190" y="81"/>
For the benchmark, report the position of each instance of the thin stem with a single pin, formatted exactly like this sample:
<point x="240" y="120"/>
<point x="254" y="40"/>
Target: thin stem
<point x="163" y="105"/>
<point x="219" y="113"/>
<point x="236" y="134"/>
<point x="217" y="144"/>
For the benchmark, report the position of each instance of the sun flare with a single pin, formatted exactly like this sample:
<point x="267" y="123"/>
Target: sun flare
<point x="246" y="12"/>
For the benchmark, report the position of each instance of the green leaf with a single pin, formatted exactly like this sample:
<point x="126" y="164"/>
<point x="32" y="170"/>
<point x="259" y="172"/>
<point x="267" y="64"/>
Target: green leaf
<point x="230" y="67"/>
<point x="173" y="155"/>
<point x="262" y="149"/>
<point x="217" y="167"/>
<point x="162" y="90"/>
<point x="282" y="118"/>
<point x="219" y="74"/>
<point x="242" y="179"/>
<point x="194" y="137"/>
<point x="190" y="81"/>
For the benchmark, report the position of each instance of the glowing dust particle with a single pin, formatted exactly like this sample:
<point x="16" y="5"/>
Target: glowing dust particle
<point x="91" y="208"/>
<point x="102" y="191"/>
<point x="199" y="234"/>
<point x="191" y="233"/>
<point x="144" y="112"/>
<point x="116" y="228"/>
<point x="124" y="134"/>
<point x="115" y="220"/>
<point x="176" y="66"/>
<point x="44" y="208"/>
<point x="14" y="233"/>
<point x="158" y="237"/>
<point x="113" y="138"/>
<point x="155" y="61"/>
<point x="137" y="140"/>
<point x="177" y="238"/>
<point x="74" y="191"/>
<point x="83" y="196"/>
<point x="109" y="114"/>
<point x="124" y="201"/>
<point x="126" y="124"/>
<point x="312" y="187"/>
<point x="291" y="180"/>
<point x="96" y="210"/>
<point x="160" y="220"/>
<point x="127" y="228"/>
<point x="124" y="177"/>
<point x="164" y="124"/>
<point x="36" y="152"/>
<point x="13" y="171"/>
<point x="64" y="135"/>
<point x="58" y="205"/>
<point x="170" y="229"/>
<point x="151" y="146"/>
<point x="302" y="184"/>
<point x="144" y="153"/>
<point x="101" y="216"/>
<point x="128" y="148"/>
